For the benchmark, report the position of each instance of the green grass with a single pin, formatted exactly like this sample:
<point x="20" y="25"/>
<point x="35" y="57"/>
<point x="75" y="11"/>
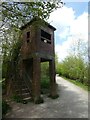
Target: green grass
<point x="85" y="87"/>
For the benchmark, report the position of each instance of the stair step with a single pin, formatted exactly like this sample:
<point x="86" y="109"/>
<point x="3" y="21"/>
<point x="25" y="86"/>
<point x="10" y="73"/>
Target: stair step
<point x="24" y="89"/>
<point x="27" y="98"/>
<point x="24" y="86"/>
<point x="26" y="93"/>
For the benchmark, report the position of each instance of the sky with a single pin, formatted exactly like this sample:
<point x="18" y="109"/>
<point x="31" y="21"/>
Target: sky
<point x="71" y="22"/>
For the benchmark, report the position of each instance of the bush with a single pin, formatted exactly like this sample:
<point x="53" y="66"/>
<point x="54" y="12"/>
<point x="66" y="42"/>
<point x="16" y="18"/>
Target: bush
<point x="45" y="82"/>
<point x="17" y="98"/>
<point x="75" y="68"/>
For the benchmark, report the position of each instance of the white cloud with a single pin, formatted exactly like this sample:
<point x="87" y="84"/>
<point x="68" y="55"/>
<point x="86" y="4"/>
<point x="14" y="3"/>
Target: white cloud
<point x="63" y="16"/>
<point x="63" y="50"/>
<point x="80" y="26"/>
<point x="68" y="26"/>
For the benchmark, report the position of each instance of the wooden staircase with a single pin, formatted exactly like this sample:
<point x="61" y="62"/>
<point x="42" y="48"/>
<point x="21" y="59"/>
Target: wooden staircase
<point x="23" y="87"/>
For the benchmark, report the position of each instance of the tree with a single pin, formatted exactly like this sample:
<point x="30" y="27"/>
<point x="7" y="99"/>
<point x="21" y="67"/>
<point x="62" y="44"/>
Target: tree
<point x="79" y="48"/>
<point x="19" y="13"/>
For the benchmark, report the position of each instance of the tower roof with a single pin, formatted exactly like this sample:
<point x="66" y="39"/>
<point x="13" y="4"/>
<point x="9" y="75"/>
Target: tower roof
<point x="36" y="19"/>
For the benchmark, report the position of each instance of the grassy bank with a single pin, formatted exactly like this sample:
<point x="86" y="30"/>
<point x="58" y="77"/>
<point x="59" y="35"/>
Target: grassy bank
<point x="76" y="82"/>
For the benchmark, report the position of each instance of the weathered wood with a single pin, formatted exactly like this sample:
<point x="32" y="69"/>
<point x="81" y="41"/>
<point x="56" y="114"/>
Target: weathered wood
<point x="53" y="91"/>
<point x="37" y="46"/>
<point x="36" y="79"/>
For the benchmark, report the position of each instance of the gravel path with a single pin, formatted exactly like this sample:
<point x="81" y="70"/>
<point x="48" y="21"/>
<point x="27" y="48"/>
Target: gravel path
<point x="72" y="103"/>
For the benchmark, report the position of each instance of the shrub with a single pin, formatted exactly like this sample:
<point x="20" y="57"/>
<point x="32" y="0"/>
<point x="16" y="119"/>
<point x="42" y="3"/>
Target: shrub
<point x="45" y="82"/>
<point x="17" y="98"/>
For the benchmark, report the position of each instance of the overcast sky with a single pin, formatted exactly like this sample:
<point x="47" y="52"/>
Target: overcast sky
<point x="71" y="23"/>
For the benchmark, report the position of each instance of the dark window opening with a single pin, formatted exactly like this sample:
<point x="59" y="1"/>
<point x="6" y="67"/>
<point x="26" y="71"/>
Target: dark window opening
<point x="49" y="42"/>
<point x="28" y="37"/>
<point x="45" y="37"/>
<point x="27" y="40"/>
<point x="28" y="34"/>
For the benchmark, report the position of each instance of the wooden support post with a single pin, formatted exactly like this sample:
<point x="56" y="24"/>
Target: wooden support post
<point x="36" y="80"/>
<point x="53" y="91"/>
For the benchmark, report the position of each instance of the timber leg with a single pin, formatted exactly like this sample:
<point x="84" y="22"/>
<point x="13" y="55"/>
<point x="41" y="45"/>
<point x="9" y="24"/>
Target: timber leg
<point x="53" y="87"/>
<point x="36" y="90"/>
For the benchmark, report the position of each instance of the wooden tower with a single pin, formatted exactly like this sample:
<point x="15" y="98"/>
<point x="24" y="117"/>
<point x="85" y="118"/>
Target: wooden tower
<point x="38" y="46"/>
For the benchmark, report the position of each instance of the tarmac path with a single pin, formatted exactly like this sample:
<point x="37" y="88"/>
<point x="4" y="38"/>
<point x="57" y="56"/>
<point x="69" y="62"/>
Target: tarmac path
<point x="72" y="103"/>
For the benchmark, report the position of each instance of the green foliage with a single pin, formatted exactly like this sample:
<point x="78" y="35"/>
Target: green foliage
<point x="45" y="85"/>
<point x="11" y="53"/>
<point x="44" y="69"/>
<point x="57" y="64"/>
<point x="45" y="75"/>
<point x="17" y="98"/>
<point x="74" y="68"/>
<point x="15" y="50"/>
<point x="59" y="69"/>
<point x="18" y="13"/>
<point x="45" y="80"/>
<point x="5" y="107"/>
